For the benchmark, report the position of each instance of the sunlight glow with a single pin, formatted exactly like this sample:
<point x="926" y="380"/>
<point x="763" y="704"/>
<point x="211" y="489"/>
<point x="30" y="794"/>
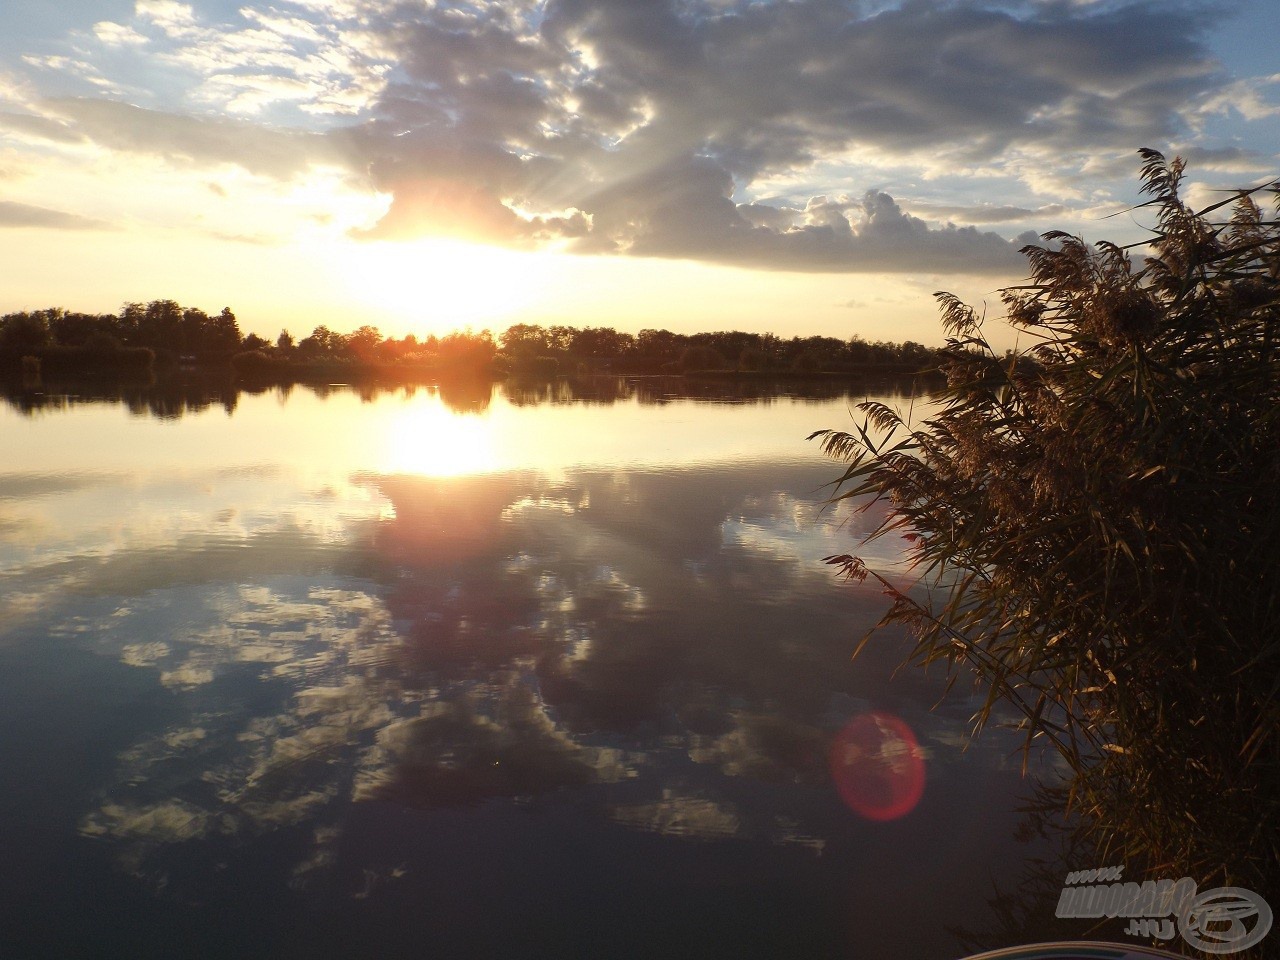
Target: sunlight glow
<point x="427" y="439"/>
<point x="441" y="284"/>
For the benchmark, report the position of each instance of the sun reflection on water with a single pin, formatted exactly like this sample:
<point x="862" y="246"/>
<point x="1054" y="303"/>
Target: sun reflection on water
<point x="427" y="439"/>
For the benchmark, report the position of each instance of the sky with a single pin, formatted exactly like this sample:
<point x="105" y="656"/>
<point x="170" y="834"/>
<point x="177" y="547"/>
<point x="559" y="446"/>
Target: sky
<point x="789" y="166"/>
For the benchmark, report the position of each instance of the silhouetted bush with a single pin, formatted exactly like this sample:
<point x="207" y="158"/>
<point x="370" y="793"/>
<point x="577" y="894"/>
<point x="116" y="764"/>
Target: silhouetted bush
<point x="253" y="362"/>
<point x="96" y="357"/>
<point x="752" y="360"/>
<point x="701" y="358"/>
<point x="807" y="362"/>
<point x="99" y="344"/>
<point x="1098" y="519"/>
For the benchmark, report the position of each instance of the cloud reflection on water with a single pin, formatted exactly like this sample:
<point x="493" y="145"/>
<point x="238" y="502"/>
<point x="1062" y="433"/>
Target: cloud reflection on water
<point x="505" y="636"/>
<point x="657" y="651"/>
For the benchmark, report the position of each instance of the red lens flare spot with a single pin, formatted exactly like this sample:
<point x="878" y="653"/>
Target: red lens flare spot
<point x="877" y="766"/>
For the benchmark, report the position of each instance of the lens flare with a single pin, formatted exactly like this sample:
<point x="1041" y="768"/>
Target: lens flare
<point x="877" y="766"/>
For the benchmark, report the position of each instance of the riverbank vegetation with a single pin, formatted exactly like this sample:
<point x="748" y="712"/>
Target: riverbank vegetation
<point x="164" y="333"/>
<point x="1096" y="518"/>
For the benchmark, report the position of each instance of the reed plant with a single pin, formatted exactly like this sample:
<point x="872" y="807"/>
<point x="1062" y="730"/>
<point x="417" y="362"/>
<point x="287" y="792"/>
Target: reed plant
<point x="1096" y="517"/>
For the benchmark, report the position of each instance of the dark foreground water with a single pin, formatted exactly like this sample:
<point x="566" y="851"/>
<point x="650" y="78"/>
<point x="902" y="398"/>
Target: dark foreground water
<point x="549" y="673"/>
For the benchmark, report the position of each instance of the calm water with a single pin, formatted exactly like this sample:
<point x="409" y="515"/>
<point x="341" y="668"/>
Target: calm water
<point x="544" y="673"/>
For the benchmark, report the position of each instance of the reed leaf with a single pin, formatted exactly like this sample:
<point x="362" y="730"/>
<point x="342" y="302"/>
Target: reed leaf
<point x="1100" y="512"/>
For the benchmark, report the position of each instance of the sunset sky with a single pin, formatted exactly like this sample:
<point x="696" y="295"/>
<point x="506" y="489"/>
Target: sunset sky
<point x="803" y="167"/>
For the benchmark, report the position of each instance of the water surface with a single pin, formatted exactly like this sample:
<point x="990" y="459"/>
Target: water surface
<point x="536" y="672"/>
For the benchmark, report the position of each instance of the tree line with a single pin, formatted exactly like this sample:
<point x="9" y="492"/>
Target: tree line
<point x="163" y="326"/>
<point x="654" y="350"/>
<point x="67" y="341"/>
<point x="167" y="332"/>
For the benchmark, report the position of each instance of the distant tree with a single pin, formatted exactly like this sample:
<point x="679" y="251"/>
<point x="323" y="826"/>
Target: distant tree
<point x="74" y="329"/>
<point x="284" y="342"/>
<point x="193" y="331"/>
<point x="828" y="351"/>
<point x="392" y="350"/>
<point x="160" y="327"/>
<point x="771" y="344"/>
<point x="253" y="342"/>
<point x="1097" y="518"/>
<point x="363" y="342"/>
<point x="523" y="340"/>
<point x="224" y="332"/>
<point x="752" y="359"/>
<point x="24" y="332"/>
<point x="129" y="325"/>
<point x="728" y="343"/>
<point x="560" y="338"/>
<point x="661" y="346"/>
<point x="467" y="352"/>
<point x="697" y="358"/>
<point x="807" y="361"/>
<point x="602" y="343"/>
<point x="322" y="342"/>
<point x="917" y="355"/>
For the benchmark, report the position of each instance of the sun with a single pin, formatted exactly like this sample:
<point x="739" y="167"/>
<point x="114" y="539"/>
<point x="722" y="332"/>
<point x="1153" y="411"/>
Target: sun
<point x="445" y="284"/>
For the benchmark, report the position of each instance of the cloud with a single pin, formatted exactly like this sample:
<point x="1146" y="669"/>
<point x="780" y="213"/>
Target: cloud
<point x="42" y="128"/>
<point x="985" y="213"/>
<point x="1254" y="98"/>
<point x="327" y="66"/>
<point x="24" y="215"/>
<point x="645" y="127"/>
<point x="200" y="141"/>
<point x="117" y="34"/>
<point x="653" y="119"/>
<point x="64" y="67"/>
<point x="175" y="20"/>
<point x="688" y="213"/>
<point x="1235" y="160"/>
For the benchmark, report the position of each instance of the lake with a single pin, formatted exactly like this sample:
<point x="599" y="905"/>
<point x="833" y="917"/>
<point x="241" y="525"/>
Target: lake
<point x="552" y="672"/>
